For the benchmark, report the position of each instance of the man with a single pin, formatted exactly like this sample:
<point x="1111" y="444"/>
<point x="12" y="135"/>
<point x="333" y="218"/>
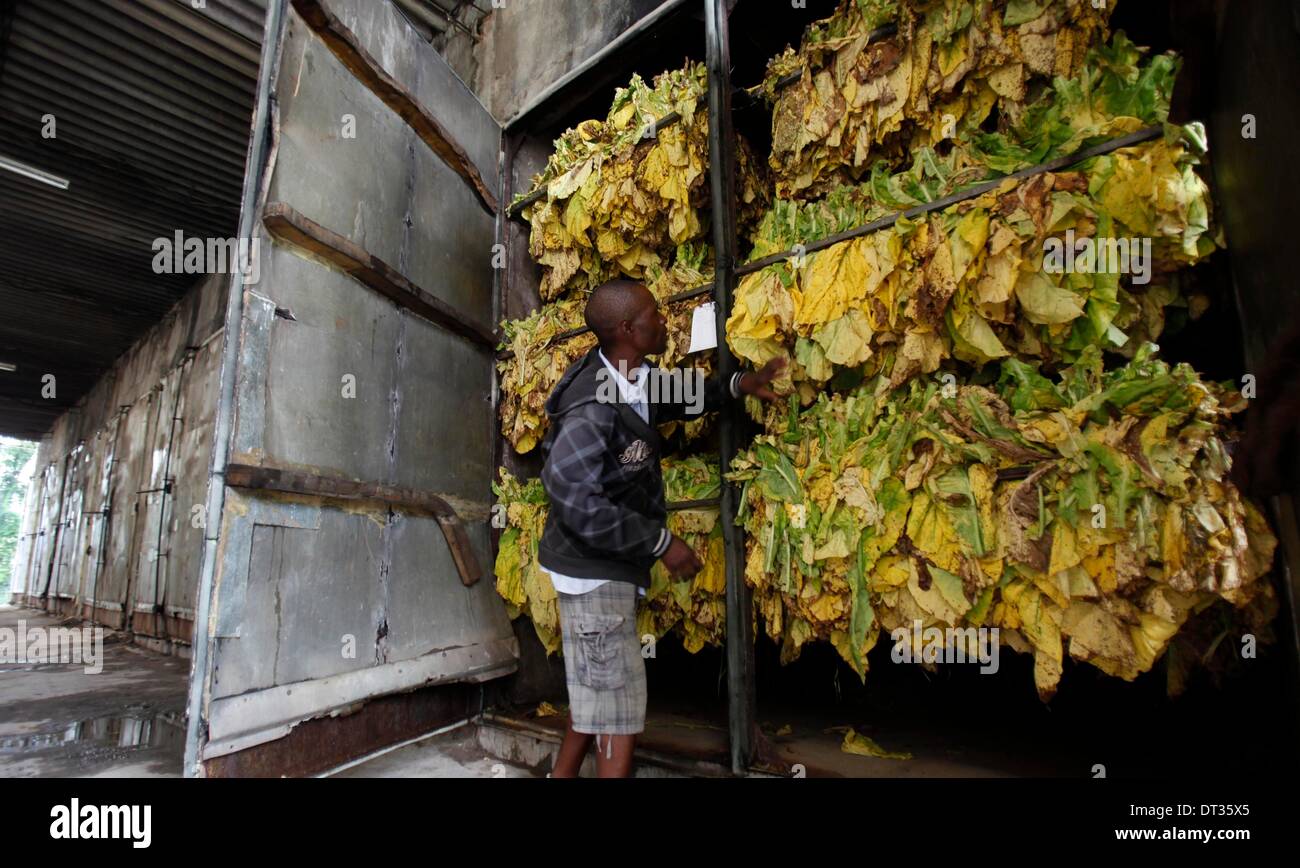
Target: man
<point x="608" y="523"/>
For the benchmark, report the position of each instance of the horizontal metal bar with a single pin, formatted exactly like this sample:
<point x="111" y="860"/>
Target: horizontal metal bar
<point x="338" y="488"/>
<point x="704" y="289"/>
<point x="980" y="189"/>
<point x="289" y="226"/>
<point x="694" y="504"/>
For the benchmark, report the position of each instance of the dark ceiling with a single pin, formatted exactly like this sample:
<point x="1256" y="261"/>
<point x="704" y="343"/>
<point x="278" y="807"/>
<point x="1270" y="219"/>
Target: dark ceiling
<point x="151" y="101"/>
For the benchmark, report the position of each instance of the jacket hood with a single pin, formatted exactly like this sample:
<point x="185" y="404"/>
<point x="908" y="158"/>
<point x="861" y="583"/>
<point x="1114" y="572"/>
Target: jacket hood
<point x="577" y="387"/>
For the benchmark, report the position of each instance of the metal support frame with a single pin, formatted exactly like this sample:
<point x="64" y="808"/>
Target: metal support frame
<point x="259" y="148"/>
<point x="741" y="703"/>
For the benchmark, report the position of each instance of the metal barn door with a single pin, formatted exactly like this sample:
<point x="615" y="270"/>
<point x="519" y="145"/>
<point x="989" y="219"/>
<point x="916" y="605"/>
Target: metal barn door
<point x="351" y="555"/>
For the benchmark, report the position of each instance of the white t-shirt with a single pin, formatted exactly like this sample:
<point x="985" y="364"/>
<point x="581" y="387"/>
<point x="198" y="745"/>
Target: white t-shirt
<point x="634" y="394"/>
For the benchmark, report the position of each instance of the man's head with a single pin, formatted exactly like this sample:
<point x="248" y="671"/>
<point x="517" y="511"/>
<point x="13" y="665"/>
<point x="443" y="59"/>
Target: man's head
<point x="624" y="316"/>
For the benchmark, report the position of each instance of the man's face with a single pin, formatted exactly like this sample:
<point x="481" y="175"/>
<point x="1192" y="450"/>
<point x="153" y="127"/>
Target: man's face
<point x="649" y="327"/>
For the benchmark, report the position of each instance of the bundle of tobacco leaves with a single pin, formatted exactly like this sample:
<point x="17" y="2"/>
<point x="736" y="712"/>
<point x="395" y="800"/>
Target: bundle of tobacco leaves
<point x="948" y="67"/>
<point x="1041" y="268"/>
<point x="1088" y="515"/>
<point x="622" y="193"/>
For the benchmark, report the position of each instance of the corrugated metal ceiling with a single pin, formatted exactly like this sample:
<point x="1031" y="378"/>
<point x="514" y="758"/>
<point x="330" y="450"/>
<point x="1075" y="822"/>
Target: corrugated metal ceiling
<point x="152" y="101"/>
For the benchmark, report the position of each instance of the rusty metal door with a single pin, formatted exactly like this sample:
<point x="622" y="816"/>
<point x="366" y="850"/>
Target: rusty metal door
<point x="64" y="579"/>
<point x="350" y="557"/>
<point x="46" y="540"/>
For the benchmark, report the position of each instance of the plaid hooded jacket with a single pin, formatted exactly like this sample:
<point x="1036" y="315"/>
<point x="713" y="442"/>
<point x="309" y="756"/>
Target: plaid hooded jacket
<point x="608" y="518"/>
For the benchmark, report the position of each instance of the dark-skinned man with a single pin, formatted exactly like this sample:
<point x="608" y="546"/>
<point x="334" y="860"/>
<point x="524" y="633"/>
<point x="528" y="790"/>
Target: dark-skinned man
<point x="607" y="523"/>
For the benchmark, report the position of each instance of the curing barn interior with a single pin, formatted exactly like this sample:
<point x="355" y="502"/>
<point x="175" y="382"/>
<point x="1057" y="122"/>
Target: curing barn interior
<point x="303" y="495"/>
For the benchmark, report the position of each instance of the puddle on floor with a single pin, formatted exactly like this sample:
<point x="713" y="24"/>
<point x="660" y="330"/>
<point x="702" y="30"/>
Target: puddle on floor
<point x="165" y="729"/>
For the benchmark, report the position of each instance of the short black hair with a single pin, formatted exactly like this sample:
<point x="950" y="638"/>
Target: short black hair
<point x="612" y="303"/>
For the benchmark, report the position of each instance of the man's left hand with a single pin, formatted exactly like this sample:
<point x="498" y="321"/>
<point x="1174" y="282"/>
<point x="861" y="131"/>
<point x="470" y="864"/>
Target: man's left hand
<point x="757" y="383"/>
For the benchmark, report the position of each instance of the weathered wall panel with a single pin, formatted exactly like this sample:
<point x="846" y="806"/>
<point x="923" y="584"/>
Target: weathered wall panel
<point x="385" y="35"/>
<point x="330" y="595"/>
<point x="130" y="475"/>
<point x="443" y="435"/>
<point x="330" y="372"/>
<point x="528" y="44"/>
<point x="114" y="445"/>
<point x="459" y="269"/>
<point x="349" y="185"/>
<point x="152" y="503"/>
<point x="425" y="611"/>
<point x="190" y="469"/>
<point x="90" y="531"/>
<point x="382" y="188"/>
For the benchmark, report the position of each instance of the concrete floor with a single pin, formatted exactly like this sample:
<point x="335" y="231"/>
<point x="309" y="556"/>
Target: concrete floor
<point x="453" y="754"/>
<point x="57" y="720"/>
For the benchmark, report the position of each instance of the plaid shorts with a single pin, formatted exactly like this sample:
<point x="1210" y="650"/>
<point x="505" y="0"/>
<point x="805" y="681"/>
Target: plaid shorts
<point x="603" y="667"/>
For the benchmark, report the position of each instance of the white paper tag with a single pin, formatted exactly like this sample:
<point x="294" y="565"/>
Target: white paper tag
<point x="704" y="328"/>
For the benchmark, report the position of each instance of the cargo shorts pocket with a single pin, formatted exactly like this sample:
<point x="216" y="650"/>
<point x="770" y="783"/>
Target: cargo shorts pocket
<point x="599" y="659"/>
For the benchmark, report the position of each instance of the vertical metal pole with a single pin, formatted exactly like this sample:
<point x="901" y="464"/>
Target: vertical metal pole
<point x="722" y="173"/>
<point x="258" y="149"/>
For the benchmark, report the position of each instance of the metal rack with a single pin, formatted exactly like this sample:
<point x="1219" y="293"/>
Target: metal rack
<point x="742" y="705"/>
<point x="741" y="699"/>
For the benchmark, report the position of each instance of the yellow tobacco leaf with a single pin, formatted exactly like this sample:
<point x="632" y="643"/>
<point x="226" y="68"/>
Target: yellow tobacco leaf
<point x="861" y="745"/>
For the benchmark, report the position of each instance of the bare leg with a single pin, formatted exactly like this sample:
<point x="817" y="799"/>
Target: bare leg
<point x="614" y="756"/>
<point x="572" y="752"/>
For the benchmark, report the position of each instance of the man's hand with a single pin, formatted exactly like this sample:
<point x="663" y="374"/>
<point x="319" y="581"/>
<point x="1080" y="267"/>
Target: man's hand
<point x="757" y="383"/>
<point x="680" y="559"/>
